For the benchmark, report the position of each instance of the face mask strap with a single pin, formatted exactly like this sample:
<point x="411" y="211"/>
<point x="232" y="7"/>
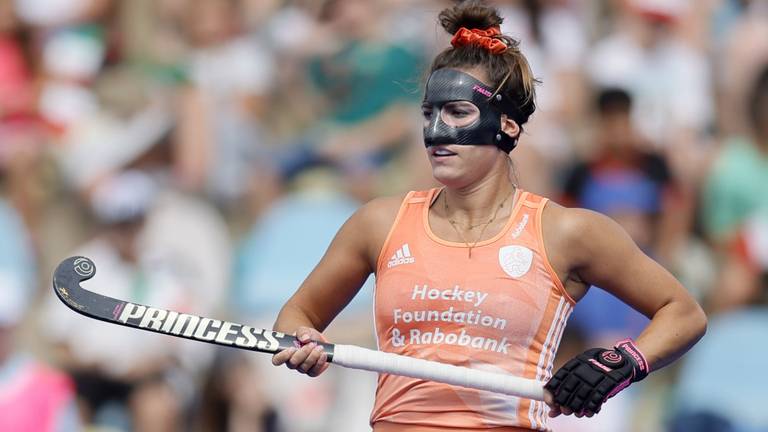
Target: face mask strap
<point x="502" y="103"/>
<point x="503" y="141"/>
<point x="495" y="95"/>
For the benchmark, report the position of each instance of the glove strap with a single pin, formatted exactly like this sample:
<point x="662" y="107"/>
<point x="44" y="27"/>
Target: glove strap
<point x="640" y="365"/>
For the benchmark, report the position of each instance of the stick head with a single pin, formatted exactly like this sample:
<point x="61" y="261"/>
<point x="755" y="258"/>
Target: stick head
<point x="66" y="284"/>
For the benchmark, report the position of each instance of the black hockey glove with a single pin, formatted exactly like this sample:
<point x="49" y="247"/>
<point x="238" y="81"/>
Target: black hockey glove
<point x="588" y="380"/>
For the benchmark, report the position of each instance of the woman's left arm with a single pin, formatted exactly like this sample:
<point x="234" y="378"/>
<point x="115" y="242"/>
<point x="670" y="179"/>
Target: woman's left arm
<point x="604" y="255"/>
<point x="599" y="252"/>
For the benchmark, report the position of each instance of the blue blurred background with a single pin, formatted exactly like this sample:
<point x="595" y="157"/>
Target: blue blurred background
<point x="204" y="153"/>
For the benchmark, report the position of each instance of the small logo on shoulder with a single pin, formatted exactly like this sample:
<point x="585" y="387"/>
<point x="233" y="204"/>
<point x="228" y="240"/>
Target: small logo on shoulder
<point x="401" y="256"/>
<point x="515" y="260"/>
<point x="520" y="227"/>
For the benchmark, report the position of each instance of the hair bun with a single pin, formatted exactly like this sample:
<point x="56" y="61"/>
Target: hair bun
<point x="471" y="14"/>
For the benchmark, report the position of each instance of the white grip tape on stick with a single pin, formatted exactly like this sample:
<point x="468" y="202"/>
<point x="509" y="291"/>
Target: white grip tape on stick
<point x="376" y="361"/>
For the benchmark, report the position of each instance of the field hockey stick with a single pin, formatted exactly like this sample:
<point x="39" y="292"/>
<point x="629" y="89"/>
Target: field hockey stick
<point x="72" y="271"/>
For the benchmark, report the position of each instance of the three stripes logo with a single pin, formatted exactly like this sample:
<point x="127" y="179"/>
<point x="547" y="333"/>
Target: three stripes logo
<point x="402" y="256"/>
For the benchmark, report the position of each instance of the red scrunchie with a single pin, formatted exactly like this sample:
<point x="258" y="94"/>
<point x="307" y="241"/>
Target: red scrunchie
<point x="483" y="38"/>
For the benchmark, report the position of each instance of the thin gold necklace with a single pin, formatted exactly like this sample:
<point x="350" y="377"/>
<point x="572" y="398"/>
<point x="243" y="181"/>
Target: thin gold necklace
<point x="484" y="225"/>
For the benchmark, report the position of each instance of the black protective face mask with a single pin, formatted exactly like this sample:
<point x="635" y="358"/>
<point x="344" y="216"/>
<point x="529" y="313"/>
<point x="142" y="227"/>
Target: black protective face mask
<point x="449" y="85"/>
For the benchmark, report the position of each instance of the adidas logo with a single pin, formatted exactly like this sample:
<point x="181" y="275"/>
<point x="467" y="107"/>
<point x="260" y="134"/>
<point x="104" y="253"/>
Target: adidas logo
<point x="402" y="256"/>
<point x="520" y="227"/>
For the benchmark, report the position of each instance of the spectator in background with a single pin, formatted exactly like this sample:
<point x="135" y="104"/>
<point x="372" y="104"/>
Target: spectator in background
<point x="668" y="79"/>
<point x="371" y="85"/>
<point x="627" y="180"/>
<point x="16" y="94"/>
<point x="231" y="402"/>
<point x="72" y="53"/>
<point x="22" y="134"/>
<point x="221" y="135"/>
<point x="33" y="397"/>
<point x="737" y="189"/>
<point x="625" y="177"/>
<point x="738" y="182"/>
<point x="738" y="61"/>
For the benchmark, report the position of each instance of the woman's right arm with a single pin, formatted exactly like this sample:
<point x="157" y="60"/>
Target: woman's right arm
<point x="336" y="279"/>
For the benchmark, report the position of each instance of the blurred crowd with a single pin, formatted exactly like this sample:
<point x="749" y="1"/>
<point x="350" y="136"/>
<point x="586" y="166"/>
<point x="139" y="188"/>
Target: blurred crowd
<point x="204" y="153"/>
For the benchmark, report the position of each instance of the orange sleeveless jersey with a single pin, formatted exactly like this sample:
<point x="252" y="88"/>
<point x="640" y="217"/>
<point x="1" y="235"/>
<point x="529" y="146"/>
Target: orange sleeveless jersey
<point x="502" y="310"/>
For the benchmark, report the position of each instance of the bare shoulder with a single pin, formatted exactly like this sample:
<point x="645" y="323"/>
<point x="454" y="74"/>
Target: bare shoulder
<point x="372" y="221"/>
<point x="575" y="234"/>
<point x="376" y="216"/>
<point x="573" y="222"/>
<point x="381" y="210"/>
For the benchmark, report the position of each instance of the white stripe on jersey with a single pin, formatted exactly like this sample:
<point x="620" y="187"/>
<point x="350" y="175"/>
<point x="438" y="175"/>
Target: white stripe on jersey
<point x="534" y="405"/>
<point x="550" y="362"/>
